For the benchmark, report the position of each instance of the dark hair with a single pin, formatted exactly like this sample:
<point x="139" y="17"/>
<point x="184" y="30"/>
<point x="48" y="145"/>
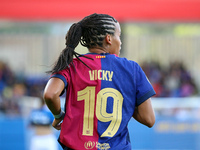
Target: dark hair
<point x="90" y="32"/>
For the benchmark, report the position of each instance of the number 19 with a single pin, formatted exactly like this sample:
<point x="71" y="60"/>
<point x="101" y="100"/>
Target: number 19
<point x="88" y="95"/>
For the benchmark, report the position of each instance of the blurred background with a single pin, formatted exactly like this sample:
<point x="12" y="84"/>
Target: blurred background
<point x="162" y="36"/>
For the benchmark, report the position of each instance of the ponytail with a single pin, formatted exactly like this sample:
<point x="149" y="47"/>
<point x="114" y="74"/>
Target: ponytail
<point x="72" y="38"/>
<point x="90" y="32"/>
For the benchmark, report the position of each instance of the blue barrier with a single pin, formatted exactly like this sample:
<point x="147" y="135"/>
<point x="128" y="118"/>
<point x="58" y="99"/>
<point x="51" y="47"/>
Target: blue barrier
<point x="167" y="133"/>
<point x="12" y="134"/>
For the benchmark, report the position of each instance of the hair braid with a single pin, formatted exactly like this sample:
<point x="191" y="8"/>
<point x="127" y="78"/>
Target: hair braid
<point x="96" y="27"/>
<point x="90" y="32"/>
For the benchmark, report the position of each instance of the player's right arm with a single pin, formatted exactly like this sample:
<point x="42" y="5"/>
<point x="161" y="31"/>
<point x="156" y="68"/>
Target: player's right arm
<point x="52" y="91"/>
<point x="144" y="113"/>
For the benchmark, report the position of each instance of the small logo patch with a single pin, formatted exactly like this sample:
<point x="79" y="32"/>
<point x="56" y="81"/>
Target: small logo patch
<point x="100" y="56"/>
<point x="89" y="145"/>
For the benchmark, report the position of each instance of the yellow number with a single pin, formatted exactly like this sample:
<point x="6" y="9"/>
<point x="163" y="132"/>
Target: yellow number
<point x="115" y="118"/>
<point x="88" y="94"/>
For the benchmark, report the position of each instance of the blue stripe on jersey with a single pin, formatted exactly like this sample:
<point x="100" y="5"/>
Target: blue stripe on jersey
<point x="129" y="79"/>
<point x="122" y="82"/>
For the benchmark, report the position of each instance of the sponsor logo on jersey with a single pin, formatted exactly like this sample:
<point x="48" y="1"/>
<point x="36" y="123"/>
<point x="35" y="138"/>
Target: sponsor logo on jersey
<point x="103" y="146"/>
<point x="91" y="145"/>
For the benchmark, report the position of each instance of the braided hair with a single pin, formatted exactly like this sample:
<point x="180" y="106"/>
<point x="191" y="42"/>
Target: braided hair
<point x="90" y="32"/>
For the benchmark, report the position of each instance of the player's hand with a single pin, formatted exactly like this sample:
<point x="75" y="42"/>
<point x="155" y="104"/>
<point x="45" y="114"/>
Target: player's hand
<point x="57" y="123"/>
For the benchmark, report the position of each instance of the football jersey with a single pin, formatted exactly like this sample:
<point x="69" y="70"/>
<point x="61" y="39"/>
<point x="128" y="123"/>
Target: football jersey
<point x="100" y="101"/>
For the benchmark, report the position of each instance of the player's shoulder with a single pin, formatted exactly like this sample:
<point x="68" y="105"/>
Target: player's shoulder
<point x="125" y="60"/>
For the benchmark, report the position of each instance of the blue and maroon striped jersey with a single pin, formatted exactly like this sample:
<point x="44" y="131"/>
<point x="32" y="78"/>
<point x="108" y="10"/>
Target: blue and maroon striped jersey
<point x="100" y="101"/>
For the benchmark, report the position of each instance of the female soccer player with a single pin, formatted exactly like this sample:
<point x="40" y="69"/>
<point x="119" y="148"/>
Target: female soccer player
<point x="103" y="91"/>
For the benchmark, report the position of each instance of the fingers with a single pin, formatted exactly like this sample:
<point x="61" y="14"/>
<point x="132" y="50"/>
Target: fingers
<point x="57" y="124"/>
<point x="58" y="127"/>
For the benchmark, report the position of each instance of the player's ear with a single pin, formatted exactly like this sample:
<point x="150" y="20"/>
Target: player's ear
<point x="108" y="39"/>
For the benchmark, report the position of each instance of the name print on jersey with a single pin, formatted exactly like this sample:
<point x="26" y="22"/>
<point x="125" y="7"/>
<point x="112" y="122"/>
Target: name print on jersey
<point x="101" y="75"/>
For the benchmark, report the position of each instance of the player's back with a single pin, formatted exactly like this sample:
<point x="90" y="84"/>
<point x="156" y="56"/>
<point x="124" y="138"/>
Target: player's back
<point x="100" y="102"/>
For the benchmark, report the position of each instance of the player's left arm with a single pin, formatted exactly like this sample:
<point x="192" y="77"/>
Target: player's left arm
<point x="144" y="113"/>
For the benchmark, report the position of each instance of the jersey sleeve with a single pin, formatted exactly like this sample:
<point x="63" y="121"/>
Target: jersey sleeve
<point x="61" y="75"/>
<point x="144" y="89"/>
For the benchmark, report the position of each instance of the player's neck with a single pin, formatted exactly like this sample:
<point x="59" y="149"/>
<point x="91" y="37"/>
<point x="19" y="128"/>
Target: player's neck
<point x="98" y="50"/>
